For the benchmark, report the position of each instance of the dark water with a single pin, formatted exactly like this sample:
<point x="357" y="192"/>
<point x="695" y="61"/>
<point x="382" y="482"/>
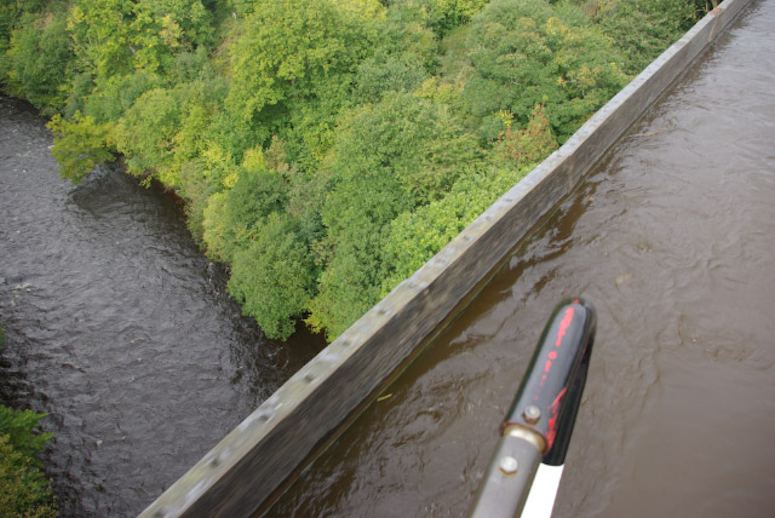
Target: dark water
<point x="673" y="239"/>
<point x="118" y="328"/>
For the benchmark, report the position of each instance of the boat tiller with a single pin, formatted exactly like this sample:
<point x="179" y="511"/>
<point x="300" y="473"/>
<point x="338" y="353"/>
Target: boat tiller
<point x="538" y="427"/>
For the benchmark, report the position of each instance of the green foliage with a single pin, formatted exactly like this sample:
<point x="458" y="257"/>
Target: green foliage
<point x="11" y="11"/>
<point x="274" y="277"/>
<point x="355" y="214"/>
<point x="415" y="236"/>
<point x="405" y="54"/>
<point x="644" y="28"/>
<point x="386" y="73"/>
<point x="288" y="49"/>
<point x="526" y="52"/>
<point x="414" y="141"/>
<point x="324" y="148"/>
<point x="19" y="426"/>
<point x="454" y="65"/>
<point x="79" y="145"/>
<point x="445" y="15"/>
<point x="24" y="489"/>
<point x="240" y="7"/>
<point x="37" y="62"/>
<point x="388" y="158"/>
<point x="530" y="144"/>
<point x="101" y="36"/>
<point x="145" y="135"/>
<point x="111" y="97"/>
<point x="115" y="37"/>
<point x="236" y="218"/>
<point x="196" y="188"/>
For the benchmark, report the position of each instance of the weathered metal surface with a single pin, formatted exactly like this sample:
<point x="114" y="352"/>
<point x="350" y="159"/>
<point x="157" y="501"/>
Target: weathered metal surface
<point x="250" y="463"/>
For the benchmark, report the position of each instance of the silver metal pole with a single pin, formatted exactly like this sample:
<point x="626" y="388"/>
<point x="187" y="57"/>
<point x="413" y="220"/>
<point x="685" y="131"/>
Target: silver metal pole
<point x="538" y="426"/>
<point x="510" y="475"/>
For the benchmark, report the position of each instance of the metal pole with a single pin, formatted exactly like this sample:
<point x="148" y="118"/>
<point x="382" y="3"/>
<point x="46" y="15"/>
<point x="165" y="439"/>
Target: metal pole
<point x="510" y="474"/>
<point x="539" y="424"/>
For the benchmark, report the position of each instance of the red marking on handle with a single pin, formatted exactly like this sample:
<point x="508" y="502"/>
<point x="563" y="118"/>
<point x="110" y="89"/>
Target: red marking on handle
<point x="551" y="434"/>
<point x="564" y="325"/>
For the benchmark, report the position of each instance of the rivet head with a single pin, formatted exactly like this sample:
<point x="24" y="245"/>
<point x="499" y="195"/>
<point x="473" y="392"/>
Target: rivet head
<point x="508" y="465"/>
<point x="532" y="414"/>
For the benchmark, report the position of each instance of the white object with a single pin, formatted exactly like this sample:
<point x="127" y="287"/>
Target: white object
<point x="540" y="500"/>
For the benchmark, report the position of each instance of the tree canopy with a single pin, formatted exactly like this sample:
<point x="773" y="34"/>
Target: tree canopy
<point x="324" y="149"/>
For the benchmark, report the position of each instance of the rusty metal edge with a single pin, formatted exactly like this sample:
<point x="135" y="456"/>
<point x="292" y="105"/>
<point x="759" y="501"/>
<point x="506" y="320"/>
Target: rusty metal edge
<point x="255" y="458"/>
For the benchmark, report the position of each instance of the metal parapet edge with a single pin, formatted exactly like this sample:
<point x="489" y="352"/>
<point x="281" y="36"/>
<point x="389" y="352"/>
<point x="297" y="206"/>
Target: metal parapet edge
<point x="255" y="458"/>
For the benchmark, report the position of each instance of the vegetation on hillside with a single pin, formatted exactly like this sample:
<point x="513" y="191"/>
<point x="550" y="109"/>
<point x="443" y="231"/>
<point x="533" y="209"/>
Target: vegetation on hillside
<point x="24" y="489"/>
<point x="325" y="149"/>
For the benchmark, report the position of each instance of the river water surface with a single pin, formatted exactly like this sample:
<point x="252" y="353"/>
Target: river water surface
<point x="119" y="328"/>
<point x="672" y="237"/>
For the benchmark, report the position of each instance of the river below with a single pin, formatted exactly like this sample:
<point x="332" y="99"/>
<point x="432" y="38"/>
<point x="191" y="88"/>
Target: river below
<point x="672" y="237"/>
<point x="118" y="328"/>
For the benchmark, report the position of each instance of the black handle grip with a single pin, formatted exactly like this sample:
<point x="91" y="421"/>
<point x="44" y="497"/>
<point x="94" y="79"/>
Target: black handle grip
<point x="550" y="395"/>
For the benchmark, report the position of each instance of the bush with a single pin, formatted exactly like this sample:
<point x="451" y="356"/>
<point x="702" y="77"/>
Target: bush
<point x="274" y="277"/>
<point x="146" y="134"/>
<point x="18" y="425"/>
<point x="235" y="217"/>
<point x="79" y="145"/>
<point x="527" y="52"/>
<point x="644" y="28"/>
<point x="400" y="153"/>
<point x="38" y="61"/>
<point x="414" y="237"/>
<point x="24" y="489"/>
<point x="445" y="15"/>
<point x="531" y="144"/>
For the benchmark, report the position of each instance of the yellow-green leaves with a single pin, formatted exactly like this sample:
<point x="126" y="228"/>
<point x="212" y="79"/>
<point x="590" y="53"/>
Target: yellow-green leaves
<point x="24" y="489"/>
<point x="37" y="63"/>
<point x="118" y="36"/>
<point x="146" y="134"/>
<point x="528" y="52"/>
<point x="324" y="148"/>
<point x="79" y="145"/>
<point x="289" y="49"/>
<point x="530" y="144"/>
<point x="273" y="278"/>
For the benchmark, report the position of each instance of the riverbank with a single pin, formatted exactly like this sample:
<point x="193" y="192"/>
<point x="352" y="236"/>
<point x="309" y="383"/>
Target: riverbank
<point x="327" y="169"/>
<point x="24" y="489"/>
<point x="123" y="331"/>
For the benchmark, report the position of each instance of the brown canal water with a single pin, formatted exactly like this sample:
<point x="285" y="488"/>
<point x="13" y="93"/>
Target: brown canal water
<point x="672" y="237"/>
<point x="119" y="328"/>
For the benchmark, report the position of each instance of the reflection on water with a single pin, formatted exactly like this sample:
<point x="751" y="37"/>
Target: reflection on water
<point x="118" y="328"/>
<point x="672" y="239"/>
